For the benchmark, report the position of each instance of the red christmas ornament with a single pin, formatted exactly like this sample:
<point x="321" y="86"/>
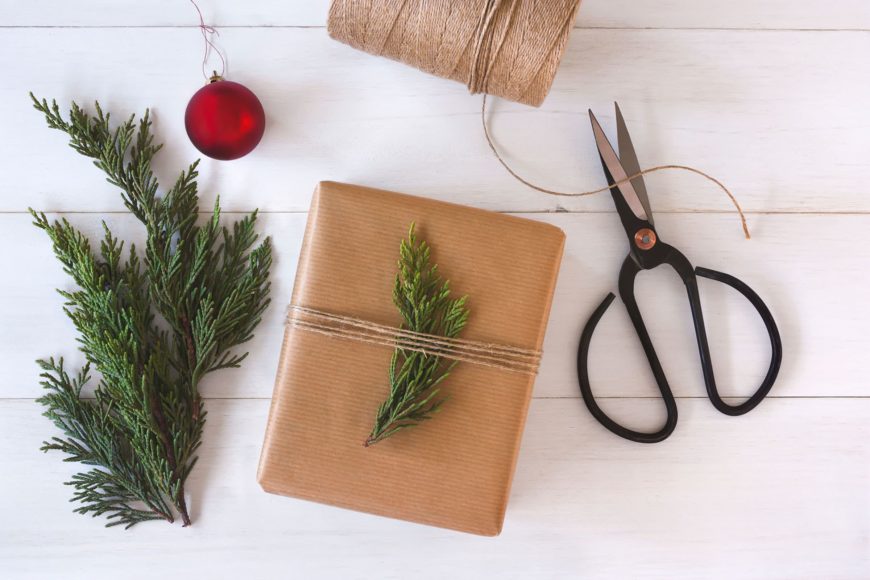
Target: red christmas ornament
<point x="224" y="120"/>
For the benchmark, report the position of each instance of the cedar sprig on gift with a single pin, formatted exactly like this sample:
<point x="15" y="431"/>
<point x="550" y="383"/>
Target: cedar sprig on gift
<point x="424" y="302"/>
<point x="153" y="324"/>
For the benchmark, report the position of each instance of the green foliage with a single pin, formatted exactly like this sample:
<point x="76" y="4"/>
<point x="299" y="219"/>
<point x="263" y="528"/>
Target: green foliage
<point x="424" y="302"/>
<point x="152" y="323"/>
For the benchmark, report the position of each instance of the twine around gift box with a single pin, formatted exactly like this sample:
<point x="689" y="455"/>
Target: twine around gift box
<point x="499" y="356"/>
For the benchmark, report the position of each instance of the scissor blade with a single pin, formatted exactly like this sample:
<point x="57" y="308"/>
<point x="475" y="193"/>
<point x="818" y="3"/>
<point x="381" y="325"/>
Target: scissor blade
<point x="628" y="158"/>
<point x="611" y="161"/>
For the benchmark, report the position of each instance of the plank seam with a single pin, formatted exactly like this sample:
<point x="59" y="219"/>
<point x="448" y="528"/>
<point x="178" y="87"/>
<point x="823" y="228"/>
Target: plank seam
<point x="553" y="398"/>
<point x="559" y="210"/>
<point x="321" y="27"/>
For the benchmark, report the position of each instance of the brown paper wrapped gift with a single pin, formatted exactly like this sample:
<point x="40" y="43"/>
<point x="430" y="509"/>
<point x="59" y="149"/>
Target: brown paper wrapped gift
<point x="455" y="470"/>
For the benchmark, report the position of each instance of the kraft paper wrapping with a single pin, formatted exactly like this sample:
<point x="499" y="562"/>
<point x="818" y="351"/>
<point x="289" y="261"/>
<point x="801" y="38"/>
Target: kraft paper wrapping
<point x="454" y="471"/>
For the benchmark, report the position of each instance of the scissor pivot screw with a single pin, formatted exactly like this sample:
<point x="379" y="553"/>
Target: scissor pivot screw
<point x="645" y="239"/>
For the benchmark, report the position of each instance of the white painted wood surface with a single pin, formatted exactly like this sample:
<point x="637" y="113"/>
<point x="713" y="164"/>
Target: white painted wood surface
<point x="715" y="14"/>
<point x="769" y="96"/>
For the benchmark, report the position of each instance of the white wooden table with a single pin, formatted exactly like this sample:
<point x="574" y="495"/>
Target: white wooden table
<point x="772" y="97"/>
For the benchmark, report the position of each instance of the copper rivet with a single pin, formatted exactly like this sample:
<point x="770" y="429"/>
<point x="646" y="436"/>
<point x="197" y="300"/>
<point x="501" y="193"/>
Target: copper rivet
<point x="645" y="239"/>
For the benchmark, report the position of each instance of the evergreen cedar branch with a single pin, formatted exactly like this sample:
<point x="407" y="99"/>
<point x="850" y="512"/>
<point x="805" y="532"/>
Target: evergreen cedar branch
<point x="153" y="324"/>
<point x="424" y="302"/>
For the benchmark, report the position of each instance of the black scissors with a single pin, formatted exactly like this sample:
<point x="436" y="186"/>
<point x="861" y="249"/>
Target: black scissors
<point x="647" y="251"/>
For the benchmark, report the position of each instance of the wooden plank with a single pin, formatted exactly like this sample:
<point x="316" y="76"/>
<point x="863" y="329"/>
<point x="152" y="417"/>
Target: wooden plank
<point x="782" y="493"/>
<point x="743" y="14"/>
<point x="804" y="266"/>
<point x="777" y="14"/>
<point x="786" y="135"/>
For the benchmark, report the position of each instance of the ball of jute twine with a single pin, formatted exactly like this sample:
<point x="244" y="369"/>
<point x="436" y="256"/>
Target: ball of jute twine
<point x="509" y="48"/>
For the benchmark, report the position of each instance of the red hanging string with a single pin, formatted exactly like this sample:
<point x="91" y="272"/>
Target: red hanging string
<point x="207" y="32"/>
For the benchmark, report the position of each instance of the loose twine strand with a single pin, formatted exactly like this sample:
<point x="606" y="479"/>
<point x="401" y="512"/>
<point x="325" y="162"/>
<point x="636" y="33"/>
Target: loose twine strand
<point x="527" y="183"/>
<point x="504" y="357"/>
<point x="207" y="33"/>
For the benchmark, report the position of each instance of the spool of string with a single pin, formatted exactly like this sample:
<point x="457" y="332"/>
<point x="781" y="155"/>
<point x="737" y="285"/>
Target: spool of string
<point x="509" y="48"/>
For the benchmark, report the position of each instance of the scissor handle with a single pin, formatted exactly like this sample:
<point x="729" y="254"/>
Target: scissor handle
<point x="682" y="266"/>
<point x="626" y="293"/>
<point x="704" y="349"/>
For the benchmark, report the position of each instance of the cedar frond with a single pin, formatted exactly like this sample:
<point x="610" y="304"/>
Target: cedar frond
<point x="152" y="322"/>
<point x="424" y="302"/>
